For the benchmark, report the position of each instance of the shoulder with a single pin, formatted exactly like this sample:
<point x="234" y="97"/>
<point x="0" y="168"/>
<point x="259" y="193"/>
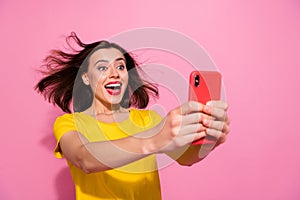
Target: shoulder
<point x="74" y="119"/>
<point x="65" y="120"/>
<point x="77" y="116"/>
<point x="66" y="116"/>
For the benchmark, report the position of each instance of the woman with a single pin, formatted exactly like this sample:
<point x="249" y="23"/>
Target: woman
<point x="108" y="141"/>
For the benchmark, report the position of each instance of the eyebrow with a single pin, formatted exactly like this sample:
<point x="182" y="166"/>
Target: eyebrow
<point x="106" y="61"/>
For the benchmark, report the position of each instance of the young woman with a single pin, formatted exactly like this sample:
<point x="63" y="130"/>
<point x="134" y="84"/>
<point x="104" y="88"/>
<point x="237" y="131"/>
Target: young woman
<point x="110" y="141"/>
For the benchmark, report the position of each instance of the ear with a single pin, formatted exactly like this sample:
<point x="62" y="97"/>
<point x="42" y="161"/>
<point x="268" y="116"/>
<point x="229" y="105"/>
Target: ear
<point x="85" y="79"/>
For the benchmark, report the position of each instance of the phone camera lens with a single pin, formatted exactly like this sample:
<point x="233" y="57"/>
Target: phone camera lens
<point x="197" y="80"/>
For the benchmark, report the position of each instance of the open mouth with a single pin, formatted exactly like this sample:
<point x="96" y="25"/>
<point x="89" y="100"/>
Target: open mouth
<point x="113" y="88"/>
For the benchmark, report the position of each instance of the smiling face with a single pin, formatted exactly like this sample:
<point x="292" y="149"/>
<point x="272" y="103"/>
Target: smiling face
<point x="108" y="77"/>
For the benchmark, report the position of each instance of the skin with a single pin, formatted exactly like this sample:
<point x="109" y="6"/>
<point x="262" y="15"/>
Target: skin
<point x="173" y="136"/>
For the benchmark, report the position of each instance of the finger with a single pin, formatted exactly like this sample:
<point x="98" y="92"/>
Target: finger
<point x="193" y="137"/>
<point x="227" y="120"/>
<point x="182" y="140"/>
<point x="191" y="107"/>
<point x="214" y="133"/>
<point x="218" y="104"/>
<point x="222" y="139"/>
<point x="219" y="135"/>
<point x="217" y="125"/>
<point x="218" y="113"/>
<point x="195" y="118"/>
<point x="191" y="129"/>
<point x="226" y="129"/>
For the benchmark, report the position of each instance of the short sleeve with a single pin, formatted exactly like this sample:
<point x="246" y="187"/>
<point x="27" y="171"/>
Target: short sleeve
<point x="62" y="125"/>
<point x="155" y="117"/>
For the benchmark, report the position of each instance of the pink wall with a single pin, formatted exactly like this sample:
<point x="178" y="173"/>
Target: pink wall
<point x="255" y="44"/>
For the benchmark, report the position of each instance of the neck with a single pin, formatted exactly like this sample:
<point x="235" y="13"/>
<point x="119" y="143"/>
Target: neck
<point x="101" y="109"/>
<point x="108" y="112"/>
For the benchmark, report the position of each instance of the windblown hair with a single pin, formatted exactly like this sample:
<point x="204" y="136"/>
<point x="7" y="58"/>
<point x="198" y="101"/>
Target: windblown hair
<point x="62" y="83"/>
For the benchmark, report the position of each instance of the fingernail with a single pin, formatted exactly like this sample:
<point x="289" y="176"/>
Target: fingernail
<point x="205" y="122"/>
<point x="207" y="131"/>
<point x="208" y="103"/>
<point x="207" y="108"/>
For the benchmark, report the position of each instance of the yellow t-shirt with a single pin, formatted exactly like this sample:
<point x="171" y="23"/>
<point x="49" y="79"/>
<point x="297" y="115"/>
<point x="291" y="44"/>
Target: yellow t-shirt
<point x="138" y="180"/>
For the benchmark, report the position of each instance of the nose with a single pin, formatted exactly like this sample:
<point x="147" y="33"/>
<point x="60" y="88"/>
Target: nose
<point x="113" y="72"/>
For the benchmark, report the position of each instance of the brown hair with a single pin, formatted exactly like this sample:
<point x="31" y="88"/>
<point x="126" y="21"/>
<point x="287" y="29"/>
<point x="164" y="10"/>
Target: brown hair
<point x="62" y="82"/>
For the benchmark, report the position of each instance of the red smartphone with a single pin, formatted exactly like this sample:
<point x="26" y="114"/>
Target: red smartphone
<point x="205" y="86"/>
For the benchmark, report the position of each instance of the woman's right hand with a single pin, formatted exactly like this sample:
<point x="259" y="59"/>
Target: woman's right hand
<point x="181" y="127"/>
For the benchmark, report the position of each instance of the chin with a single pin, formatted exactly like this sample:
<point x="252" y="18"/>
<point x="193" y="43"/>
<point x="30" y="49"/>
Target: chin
<point x="116" y="100"/>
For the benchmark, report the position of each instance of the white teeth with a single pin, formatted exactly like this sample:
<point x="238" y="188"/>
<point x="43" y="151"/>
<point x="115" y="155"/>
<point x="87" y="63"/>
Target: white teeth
<point x="114" y="85"/>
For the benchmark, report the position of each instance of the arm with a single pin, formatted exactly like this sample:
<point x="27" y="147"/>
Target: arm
<point x="217" y="126"/>
<point x="99" y="156"/>
<point x="179" y="128"/>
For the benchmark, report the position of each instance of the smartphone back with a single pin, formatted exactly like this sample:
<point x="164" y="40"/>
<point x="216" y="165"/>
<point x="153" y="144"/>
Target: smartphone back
<point x="205" y="86"/>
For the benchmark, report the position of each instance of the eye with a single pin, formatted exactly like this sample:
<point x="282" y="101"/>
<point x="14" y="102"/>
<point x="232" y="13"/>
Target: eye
<point x="102" y="68"/>
<point x="121" y="67"/>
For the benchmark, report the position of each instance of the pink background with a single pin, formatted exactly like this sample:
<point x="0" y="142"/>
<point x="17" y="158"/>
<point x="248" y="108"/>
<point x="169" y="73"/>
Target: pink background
<point x="256" y="45"/>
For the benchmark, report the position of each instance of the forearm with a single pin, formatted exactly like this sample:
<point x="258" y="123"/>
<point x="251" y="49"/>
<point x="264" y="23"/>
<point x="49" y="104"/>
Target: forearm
<point x="104" y="155"/>
<point x="116" y="153"/>
<point x="100" y="156"/>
